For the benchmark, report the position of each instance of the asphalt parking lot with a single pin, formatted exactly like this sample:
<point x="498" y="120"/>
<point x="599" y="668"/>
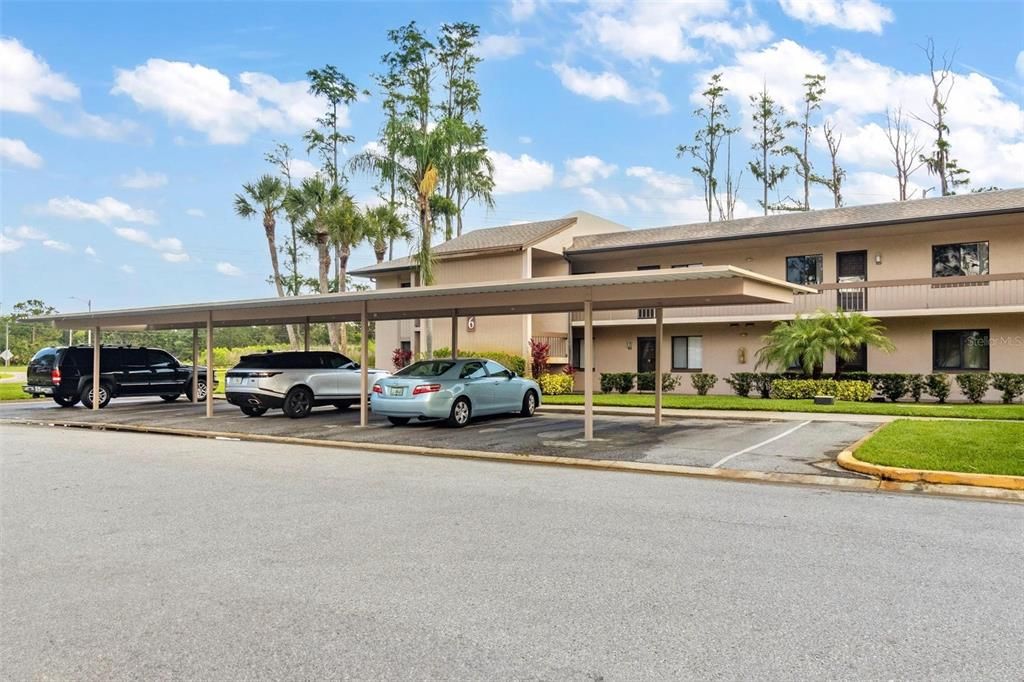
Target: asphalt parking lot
<point x="772" y="446"/>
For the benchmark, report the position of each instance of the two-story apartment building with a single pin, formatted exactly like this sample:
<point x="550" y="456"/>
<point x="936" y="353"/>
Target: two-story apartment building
<point x="945" y="275"/>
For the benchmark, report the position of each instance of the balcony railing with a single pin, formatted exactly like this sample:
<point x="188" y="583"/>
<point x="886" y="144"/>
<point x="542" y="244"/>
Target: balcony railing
<point x="558" y="347"/>
<point x="978" y="291"/>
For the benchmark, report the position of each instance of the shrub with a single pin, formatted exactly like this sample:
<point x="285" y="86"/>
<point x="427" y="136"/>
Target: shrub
<point x="805" y="389"/>
<point x="973" y="385"/>
<point x="540" y="351"/>
<point x="763" y="383"/>
<point x="1012" y="385"/>
<point x="916" y="386"/>
<point x="645" y="382"/>
<point x="400" y="358"/>
<point x="703" y="382"/>
<point x="742" y="383"/>
<point x="570" y="370"/>
<point x="937" y="386"/>
<point x="555" y="384"/>
<point x="516" y="363"/>
<point x="620" y="382"/>
<point x="893" y="386"/>
<point x="854" y="391"/>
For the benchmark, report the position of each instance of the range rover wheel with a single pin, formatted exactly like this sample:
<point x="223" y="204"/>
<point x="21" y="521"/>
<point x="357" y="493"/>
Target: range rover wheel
<point x="399" y="421"/>
<point x="298" y="403"/>
<point x="66" y="400"/>
<point x="200" y="391"/>
<point x="461" y="413"/>
<point x="529" y="404"/>
<point x="170" y="397"/>
<point x="87" y="397"/>
<point x="253" y="411"/>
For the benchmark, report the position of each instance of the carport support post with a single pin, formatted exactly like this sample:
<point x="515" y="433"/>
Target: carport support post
<point x="455" y="336"/>
<point x="364" y="376"/>
<point x="588" y="372"/>
<point x="96" y="369"/>
<point x="659" y="319"/>
<point x="305" y="336"/>
<point x="209" y="364"/>
<point x="195" y="365"/>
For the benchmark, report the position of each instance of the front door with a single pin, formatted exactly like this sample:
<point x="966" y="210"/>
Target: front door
<point x="645" y="350"/>
<point x="852" y="266"/>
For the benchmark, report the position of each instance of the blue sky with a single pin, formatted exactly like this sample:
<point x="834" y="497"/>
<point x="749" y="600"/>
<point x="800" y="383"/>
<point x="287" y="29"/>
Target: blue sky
<point x="128" y="127"/>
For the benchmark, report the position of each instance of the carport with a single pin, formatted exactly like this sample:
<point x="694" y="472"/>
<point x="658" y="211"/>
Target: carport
<point x="657" y="289"/>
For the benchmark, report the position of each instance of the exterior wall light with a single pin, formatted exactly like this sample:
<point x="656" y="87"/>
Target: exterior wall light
<point x="878" y="258"/>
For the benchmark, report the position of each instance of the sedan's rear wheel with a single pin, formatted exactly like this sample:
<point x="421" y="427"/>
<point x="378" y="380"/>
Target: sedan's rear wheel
<point x="298" y="403"/>
<point x="399" y="421"/>
<point x="461" y="413"/>
<point x="529" y="404"/>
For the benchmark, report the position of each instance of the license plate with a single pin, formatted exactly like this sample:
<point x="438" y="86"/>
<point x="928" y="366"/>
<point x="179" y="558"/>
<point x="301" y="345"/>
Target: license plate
<point x="237" y="380"/>
<point x="37" y="390"/>
<point x="396" y="390"/>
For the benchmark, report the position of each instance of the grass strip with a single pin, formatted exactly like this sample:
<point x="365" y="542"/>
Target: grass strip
<point x="969" y="447"/>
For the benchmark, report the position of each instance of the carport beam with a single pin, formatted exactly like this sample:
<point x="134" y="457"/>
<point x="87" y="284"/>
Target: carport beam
<point x="364" y="377"/>
<point x="96" y="369"/>
<point x="588" y="373"/>
<point x="659" y="328"/>
<point x="195" y="365"/>
<point x="209" y="364"/>
<point x="455" y="336"/>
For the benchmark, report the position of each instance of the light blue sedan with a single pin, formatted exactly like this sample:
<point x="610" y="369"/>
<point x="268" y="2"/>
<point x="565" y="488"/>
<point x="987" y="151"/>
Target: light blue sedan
<point x="455" y="390"/>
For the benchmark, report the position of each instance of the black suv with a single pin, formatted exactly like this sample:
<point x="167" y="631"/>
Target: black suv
<point x="65" y="374"/>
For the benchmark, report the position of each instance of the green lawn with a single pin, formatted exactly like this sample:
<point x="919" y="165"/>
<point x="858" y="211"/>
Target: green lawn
<point x="728" y="402"/>
<point x="12" y="392"/>
<point x="972" y="447"/>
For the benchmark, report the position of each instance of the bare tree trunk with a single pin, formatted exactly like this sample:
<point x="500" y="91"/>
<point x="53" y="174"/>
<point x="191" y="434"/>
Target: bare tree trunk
<point x="323" y="249"/>
<point x="269" y="226"/>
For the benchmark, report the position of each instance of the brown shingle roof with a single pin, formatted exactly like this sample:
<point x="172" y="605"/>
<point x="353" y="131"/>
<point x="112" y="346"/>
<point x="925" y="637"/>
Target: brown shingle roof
<point x="1002" y="201"/>
<point x="489" y="239"/>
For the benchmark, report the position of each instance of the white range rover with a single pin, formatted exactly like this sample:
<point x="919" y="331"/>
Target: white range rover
<point x="295" y="382"/>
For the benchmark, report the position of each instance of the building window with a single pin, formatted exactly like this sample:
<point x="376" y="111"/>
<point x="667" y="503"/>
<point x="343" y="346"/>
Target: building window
<point x="858" y="363"/>
<point x="806" y="270"/>
<point x="406" y="346"/>
<point x="960" y="349"/>
<point x="687" y="353"/>
<point x="960" y="260"/>
<point x="577" y="352"/>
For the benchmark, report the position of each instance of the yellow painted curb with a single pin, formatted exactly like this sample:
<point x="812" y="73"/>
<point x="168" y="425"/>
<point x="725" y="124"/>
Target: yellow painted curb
<point x="848" y="460"/>
<point x="848" y="484"/>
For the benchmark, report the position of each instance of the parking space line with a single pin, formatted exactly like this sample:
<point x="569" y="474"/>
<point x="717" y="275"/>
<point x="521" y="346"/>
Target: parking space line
<point x="725" y="459"/>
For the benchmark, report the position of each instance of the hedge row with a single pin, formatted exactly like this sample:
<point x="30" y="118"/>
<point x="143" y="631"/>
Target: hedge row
<point x="623" y="382"/>
<point x="891" y="386"/>
<point x="555" y="384"/>
<point x="803" y="389"/>
<point x="516" y="363"/>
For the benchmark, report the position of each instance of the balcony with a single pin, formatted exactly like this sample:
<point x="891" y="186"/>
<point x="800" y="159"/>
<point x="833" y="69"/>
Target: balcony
<point x="979" y="293"/>
<point x="558" y="348"/>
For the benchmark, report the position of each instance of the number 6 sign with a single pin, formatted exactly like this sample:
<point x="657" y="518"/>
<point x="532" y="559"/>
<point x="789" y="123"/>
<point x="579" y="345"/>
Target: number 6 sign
<point x="471" y="323"/>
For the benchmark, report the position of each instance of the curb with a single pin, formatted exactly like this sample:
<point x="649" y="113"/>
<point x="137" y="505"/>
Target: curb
<point x="847" y="460"/>
<point x="861" y="485"/>
<point x="728" y="415"/>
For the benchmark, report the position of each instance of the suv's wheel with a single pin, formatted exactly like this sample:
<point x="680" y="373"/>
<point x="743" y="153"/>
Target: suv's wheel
<point x="529" y="404"/>
<point x="200" y="391"/>
<point x="253" y="411"/>
<point x="343" y="404"/>
<point x="66" y="400"/>
<point x="399" y="421"/>
<point x="87" y="397"/>
<point x="298" y="403"/>
<point x="461" y="413"/>
<point x="170" y="397"/>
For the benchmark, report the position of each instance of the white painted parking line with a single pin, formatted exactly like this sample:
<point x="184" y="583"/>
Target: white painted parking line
<point x="754" y="447"/>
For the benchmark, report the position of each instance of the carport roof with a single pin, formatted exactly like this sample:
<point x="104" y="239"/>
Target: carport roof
<point x="715" y="285"/>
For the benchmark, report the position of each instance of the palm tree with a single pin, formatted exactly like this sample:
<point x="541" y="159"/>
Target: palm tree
<point x="266" y="196"/>
<point x="804" y="341"/>
<point x="346" y="225"/>
<point x="847" y="333"/>
<point x="383" y="227"/>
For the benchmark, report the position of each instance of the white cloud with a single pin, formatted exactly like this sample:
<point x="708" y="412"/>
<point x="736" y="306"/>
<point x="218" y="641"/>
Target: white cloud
<point x="26" y="81"/>
<point x="584" y="170"/>
<point x="128" y="269"/>
<point x="171" y="248"/>
<point x="17" y="152"/>
<point x="853" y="15"/>
<point x="56" y="245"/>
<point x="104" y="210"/>
<point x="603" y="200"/>
<point x="83" y="124"/>
<point x="661" y="182"/>
<point x="195" y="212"/>
<point x="228" y="269"/>
<point x="89" y="251"/>
<point x="140" y="179"/>
<point x="8" y="245"/>
<point x="656" y="30"/>
<point x="737" y="37"/>
<point x="1020" y="64"/>
<point x="205" y="100"/>
<point x="26" y="232"/>
<point x="521" y="10"/>
<point x="608" y="85"/>
<point x="301" y="169"/>
<point x="522" y="174"/>
<point x="525" y="139"/>
<point x="499" y="46"/>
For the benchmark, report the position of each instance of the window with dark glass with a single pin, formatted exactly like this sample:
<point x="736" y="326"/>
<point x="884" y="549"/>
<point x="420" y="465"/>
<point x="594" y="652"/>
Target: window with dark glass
<point x="687" y="352"/>
<point x="858" y="363"/>
<point x="806" y="270"/>
<point x="960" y="260"/>
<point x="960" y="349"/>
<point x="577" y="352"/>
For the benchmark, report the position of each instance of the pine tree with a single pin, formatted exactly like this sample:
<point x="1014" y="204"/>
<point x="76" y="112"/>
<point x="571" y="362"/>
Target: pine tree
<point x="770" y="131"/>
<point x="708" y="139"/>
